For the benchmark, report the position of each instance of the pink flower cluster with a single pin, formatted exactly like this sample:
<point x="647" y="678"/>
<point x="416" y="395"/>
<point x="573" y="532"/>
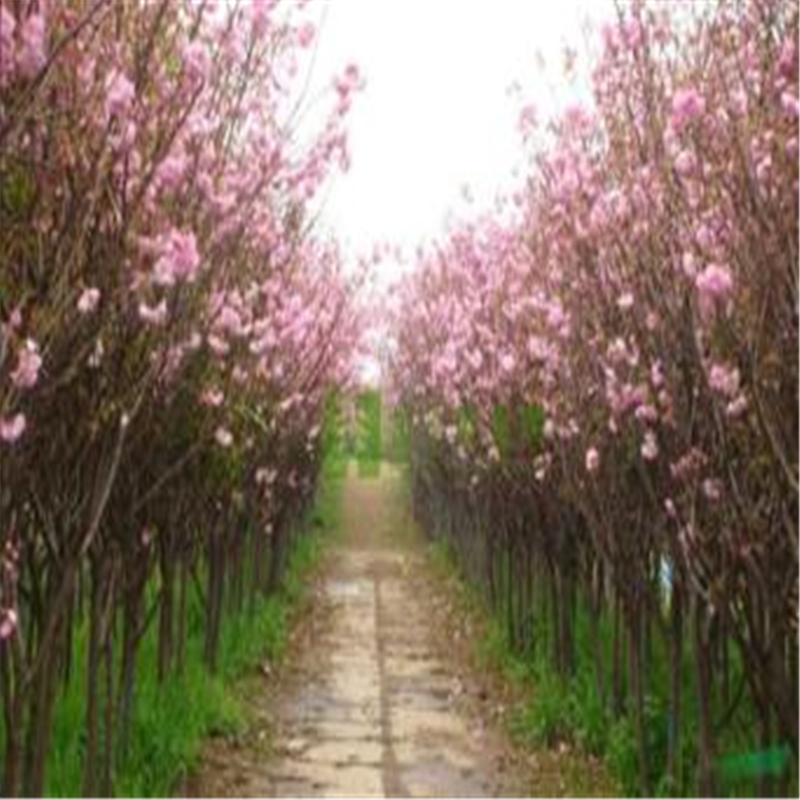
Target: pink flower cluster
<point x="23" y="45"/>
<point x="641" y="297"/>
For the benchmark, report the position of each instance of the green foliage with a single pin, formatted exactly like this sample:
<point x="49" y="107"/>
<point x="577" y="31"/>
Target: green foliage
<point x="368" y="443"/>
<point x="501" y="429"/>
<point x="467" y="424"/>
<point x="622" y="756"/>
<point x="533" y="419"/>
<point x="369" y="468"/>
<point x="589" y="719"/>
<point x="545" y="721"/>
<point x="171" y="722"/>
<point x="397" y="437"/>
<point x="17" y="192"/>
<point x="333" y="444"/>
<point x="518" y="427"/>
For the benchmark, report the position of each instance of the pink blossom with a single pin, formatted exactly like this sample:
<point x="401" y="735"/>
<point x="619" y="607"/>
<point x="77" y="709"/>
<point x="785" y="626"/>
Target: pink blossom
<point x="218" y="345"/>
<point x="96" y="357"/>
<point x="305" y="34"/>
<point x="790" y="105"/>
<point x="153" y="315"/>
<point x="736" y="408"/>
<point x="507" y="362"/>
<point x="11" y="428"/>
<point x="714" y="283"/>
<point x="346" y="85"/>
<point x="787" y="63"/>
<point x="266" y="476"/>
<point x="171" y="171"/>
<point x="764" y="169"/>
<point x="8" y="623"/>
<point x="229" y="321"/>
<point x="712" y="489"/>
<point x="646" y="413"/>
<point x="29" y="363"/>
<point x="528" y="119"/>
<point x="592" y="460"/>
<point x="689" y="265"/>
<point x="633" y="33"/>
<point x="120" y="93"/>
<point x="212" y="398"/>
<point x="555" y="315"/>
<point x="649" y="447"/>
<point x="88" y="300"/>
<point x="724" y="380"/>
<point x="625" y="301"/>
<point x="687" y="105"/>
<point x="223" y="437"/>
<point x="15" y="319"/>
<point x="196" y="62"/>
<point x="657" y="374"/>
<point x="705" y="236"/>
<point x="8" y="24"/>
<point x="260" y="11"/>
<point x="146" y="536"/>
<point x="31" y="53"/>
<point x="178" y="259"/>
<point x="685" y="163"/>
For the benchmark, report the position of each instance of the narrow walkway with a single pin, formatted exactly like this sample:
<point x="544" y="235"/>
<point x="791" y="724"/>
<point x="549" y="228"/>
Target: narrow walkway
<point x="372" y="710"/>
<point x="380" y="695"/>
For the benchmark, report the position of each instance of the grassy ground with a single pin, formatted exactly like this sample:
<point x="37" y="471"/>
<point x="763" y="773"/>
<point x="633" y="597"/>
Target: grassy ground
<point x="172" y="719"/>
<point x="526" y="695"/>
<point x="550" y="712"/>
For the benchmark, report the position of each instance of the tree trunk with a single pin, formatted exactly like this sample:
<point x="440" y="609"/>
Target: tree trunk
<point x="93" y="656"/>
<point x="41" y="721"/>
<point x="180" y="655"/>
<point x="127" y="683"/>
<point x="676" y="657"/>
<point x="618" y="676"/>
<point x="705" y="731"/>
<point x="277" y="560"/>
<point x="637" y="692"/>
<point x="215" y="597"/>
<point x="595" y="606"/>
<point x="13" y="711"/>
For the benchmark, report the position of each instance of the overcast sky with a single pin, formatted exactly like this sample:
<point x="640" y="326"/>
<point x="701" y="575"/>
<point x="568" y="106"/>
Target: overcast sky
<point x="439" y="112"/>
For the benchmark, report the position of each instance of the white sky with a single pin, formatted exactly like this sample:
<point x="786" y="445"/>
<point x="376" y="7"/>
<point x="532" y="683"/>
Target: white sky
<point x="438" y="113"/>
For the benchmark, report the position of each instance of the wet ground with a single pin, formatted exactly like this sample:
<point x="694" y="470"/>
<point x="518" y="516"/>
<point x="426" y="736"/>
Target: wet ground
<point x="375" y="699"/>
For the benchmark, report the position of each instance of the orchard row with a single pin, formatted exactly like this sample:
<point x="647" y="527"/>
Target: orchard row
<point x="603" y="391"/>
<point x="172" y="332"/>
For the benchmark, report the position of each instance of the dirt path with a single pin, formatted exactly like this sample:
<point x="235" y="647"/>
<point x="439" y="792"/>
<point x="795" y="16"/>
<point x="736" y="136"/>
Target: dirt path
<point x="370" y="705"/>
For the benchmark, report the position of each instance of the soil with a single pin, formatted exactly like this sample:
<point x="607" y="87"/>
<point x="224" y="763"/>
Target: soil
<point x="381" y="693"/>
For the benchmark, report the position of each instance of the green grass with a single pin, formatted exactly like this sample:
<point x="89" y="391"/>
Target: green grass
<point x="172" y="719"/>
<point x="369" y="444"/>
<point x="369" y="469"/>
<point x="572" y="710"/>
<point x="397" y="437"/>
